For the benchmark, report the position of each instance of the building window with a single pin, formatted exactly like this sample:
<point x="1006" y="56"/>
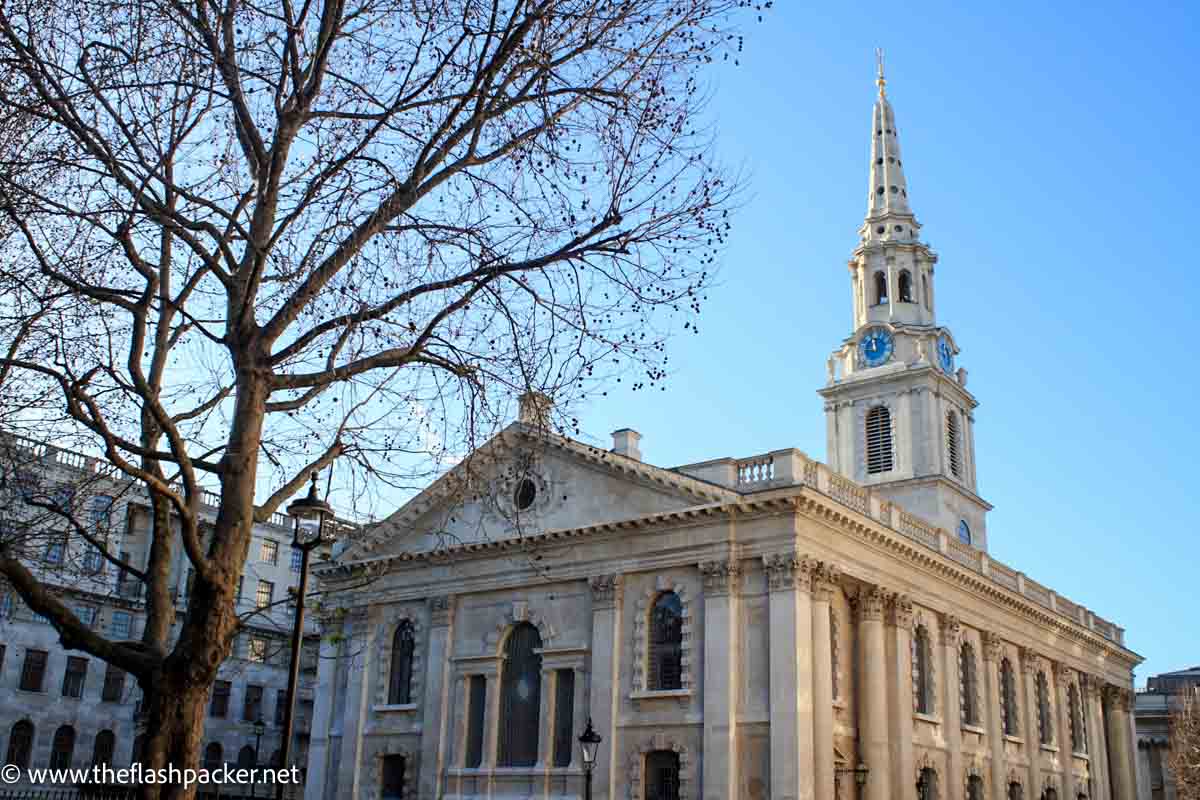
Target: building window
<point x="252" y="705"/>
<point x="968" y="684"/>
<point x="270" y="551"/>
<point x="114" y="684"/>
<point x="1049" y="793"/>
<point x="101" y="513"/>
<point x="103" y="748"/>
<point x="953" y="444"/>
<point x="564" y="716"/>
<point x="834" y="654"/>
<point x="245" y="759"/>
<point x="666" y="643"/>
<point x="219" y="707"/>
<point x="400" y="676"/>
<point x="520" y="698"/>
<point x="1078" y="721"/>
<point x="256" y="650"/>
<point x="20" y="744"/>
<point x="392" y="780"/>
<point x="213" y="756"/>
<point x="879" y="440"/>
<point x="974" y="788"/>
<point x="33" y="671"/>
<point x="297" y="558"/>
<point x="1045" y="715"/>
<point x="922" y="671"/>
<point x="906" y="295"/>
<point x="74" y="677"/>
<point x="3" y="650"/>
<point x="86" y="615"/>
<point x="1008" y="699"/>
<point x="56" y="549"/>
<point x="122" y="621"/>
<point x="927" y="784"/>
<point x="477" y="696"/>
<point x="262" y="597"/>
<point x="62" y="748"/>
<point x="93" y="560"/>
<point x="1015" y="791"/>
<point x="964" y="532"/>
<point x="881" y="293"/>
<point x="7" y="605"/>
<point x="280" y="706"/>
<point x="662" y="775"/>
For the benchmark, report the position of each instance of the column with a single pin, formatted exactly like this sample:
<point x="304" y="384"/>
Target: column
<point x="318" y="747"/>
<point x="789" y="580"/>
<point x="605" y="680"/>
<point x="900" y="618"/>
<point x="360" y="647"/>
<point x="721" y="655"/>
<point x="992" y="648"/>
<point x="1120" y="743"/>
<point x="950" y="631"/>
<point x="1066" y="748"/>
<point x="1097" y="741"/>
<point x="825" y="583"/>
<point x="491" y="716"/>
<point x="1033" y="748"/>
<point x="872" y="699"/>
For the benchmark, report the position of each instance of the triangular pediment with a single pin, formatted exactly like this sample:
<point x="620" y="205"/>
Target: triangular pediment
<point x="525" y="482"/>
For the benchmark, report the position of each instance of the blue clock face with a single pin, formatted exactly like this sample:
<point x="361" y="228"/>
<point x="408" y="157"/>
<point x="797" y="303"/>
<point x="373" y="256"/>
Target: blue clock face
<point x="876" y="346"/>
<point x="945" y="354"/>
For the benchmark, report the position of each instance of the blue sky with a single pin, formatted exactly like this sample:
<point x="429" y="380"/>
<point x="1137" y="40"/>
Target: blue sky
<point x="1050" y="152"/>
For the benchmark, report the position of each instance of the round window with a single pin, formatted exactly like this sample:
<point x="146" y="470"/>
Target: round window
<point x="525" y="494"/>
<point x="964" y="532"/>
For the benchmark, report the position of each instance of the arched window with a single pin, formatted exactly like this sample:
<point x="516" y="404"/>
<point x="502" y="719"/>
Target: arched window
<point x="213" y="755"/>
<point x="521" y="697"/>
<point x="246" y="758"/>
<point x="879" y="440"/>
<point x="392" y="780"/>
<point x="968" y="684"/>
<point x="1008" y="699"/>
<point x="1045" y="715"/>
<point x="974" y="788"/>
<point x="906" y="293"/>
<point x="1049" y="793"/>
<point x="953" y="444"/>
<point x="666" y="643"/>
<point x="20" y="744"/>
<point x="922" y="672"/>
<point x="1015" y="791"/>
<point x="62" y="748"/>
<point x="400" y="677"/>
<point x="927" y="784"/>
<point x="1078" y="721"/>
<point x="964" y="532"/>
<point x="662" y="775"/>
<point x="103" y="748"/>
<point x="881" y="293"/>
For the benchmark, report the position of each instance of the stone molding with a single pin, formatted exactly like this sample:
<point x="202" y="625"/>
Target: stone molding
<point x="789" y="571"/>
<point x="900" y="611"/>
<point x="1118" y="697"/>
<point x="441" y="610"/>
<point x="606" y="589"/>
<point x="1015" y="776"/>
<point x="720" y="577"/>
<point x="870" y="603"/>
<point x="520" y="612"/>
<point x="661" y="741"/>
<point x="375" y="752"/>
<point x="923" y="762"/>
<point x="641" y="632"/>
<point x="826" y="581"/>
<point x="385" y="633"/>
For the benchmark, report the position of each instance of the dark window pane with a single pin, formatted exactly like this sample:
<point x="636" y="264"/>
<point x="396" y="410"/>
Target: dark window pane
<point x="102" y="750"/>
<point x="662" y="775"/>
<point x="252" y="707"/>
<point x="33" y="671"/>
<point x="20" y="744"/>
<point x="666" y="643"/>
<point x="393" y="777"/>
<point x="564" y="716"/>
<point x="477" y="696"/>
<point x="212" y="756"/>
<point x="520" y="699"/>
<point x="400" y="683"/>
<point x="74" y="677"/>
<point x="114" y="684"/>
<point x="62" y="748"/>
<point x="220" y="700"/>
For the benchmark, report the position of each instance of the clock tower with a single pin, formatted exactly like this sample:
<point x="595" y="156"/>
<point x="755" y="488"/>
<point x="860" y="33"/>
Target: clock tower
<point x="898" y="414"/>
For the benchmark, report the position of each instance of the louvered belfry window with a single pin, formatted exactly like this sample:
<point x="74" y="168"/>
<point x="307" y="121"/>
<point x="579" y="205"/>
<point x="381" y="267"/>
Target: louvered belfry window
<point x="666" y="643"/>
<point x="879" y="440"/>
<point x="400" y="678"/>
<point x="953" y="446"/>
<point x="521" y="698"/>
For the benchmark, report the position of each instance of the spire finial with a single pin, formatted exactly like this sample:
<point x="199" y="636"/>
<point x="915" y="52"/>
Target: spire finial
<point x="880" y="81"/>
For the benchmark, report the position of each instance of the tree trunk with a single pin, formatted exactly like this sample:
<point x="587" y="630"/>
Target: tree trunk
<point x="175" y="708"/>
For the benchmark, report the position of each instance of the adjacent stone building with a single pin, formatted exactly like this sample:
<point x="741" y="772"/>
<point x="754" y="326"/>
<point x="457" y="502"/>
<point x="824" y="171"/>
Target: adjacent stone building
<point x="1152" y="711"/>
<point x="64" y="708"/>
<point x="746" y="628"/>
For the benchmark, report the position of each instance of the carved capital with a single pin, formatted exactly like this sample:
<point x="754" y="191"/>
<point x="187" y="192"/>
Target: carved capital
<point x="1029" y="661"/>
<point x="950" y="631"/>
<point x="869" y="604"/>
<point x="441" y="610"/>
<point x="1118" y="697"/>
<point x="993" y="646"/>
<point x="1065" y="676"/>
<point x="826" y="580"/>
<point x="900" y="611"/>
<point x="720" y="577"/>
<point x="788" y="571"/>
<point x="605" y="590"/>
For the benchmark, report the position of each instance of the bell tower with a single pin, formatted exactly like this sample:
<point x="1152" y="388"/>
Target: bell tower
<point x="898" y="414"/>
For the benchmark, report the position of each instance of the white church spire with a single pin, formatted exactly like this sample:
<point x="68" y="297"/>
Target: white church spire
<point x="889" y="216"/>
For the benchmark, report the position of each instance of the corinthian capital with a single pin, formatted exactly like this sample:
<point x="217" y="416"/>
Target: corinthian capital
<point x="869" y="604"/>
<point x="789" y="571"/>
<point x="826" y="578"/>
<point x="950" y="631"/>
<point x="900" y="611"/>
<point x="605" y="589"/>
<point x="993" y="646"/>
<point x="720" y="577"/>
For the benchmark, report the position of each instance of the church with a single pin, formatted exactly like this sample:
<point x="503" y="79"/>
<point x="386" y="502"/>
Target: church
<point x="761" y="627"/>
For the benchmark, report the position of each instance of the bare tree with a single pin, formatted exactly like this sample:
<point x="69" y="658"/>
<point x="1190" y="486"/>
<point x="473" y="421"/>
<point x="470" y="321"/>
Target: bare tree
<point x="1184" y="758"/>
<point x="246" y="241"/>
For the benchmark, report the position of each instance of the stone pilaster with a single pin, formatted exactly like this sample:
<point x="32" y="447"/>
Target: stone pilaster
<point x="434" y="715"/>
<point x="872" y="702"/>
<point x="721" y="656"/>
<point x="950" y="631"/>
<point x="318" y="747"/>
<point x="1120" y="742"/>
<point x="900" y="617"/>
<point x="825" y="585"/>
<point x="1063" y="676"/>
<point x="605" y="679"/>
<point x="789" y="579"/>
<point x="1033" y="747"/>
<point x="1097" y="740"/>
<point x="992" y="649"/>
<point x="361" y="646"/>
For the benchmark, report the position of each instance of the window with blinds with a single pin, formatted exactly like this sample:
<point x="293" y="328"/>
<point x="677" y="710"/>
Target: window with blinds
<point x="879" y="440"/>
<point x="953" y="446"/>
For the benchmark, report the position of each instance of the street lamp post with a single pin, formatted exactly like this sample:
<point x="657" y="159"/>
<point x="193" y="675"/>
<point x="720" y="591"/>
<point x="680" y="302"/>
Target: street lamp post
<point x="311" y="531"/>
<point x="860" y="775"/>
<point x="589" y="742"/>
<point x="260" y="728"/>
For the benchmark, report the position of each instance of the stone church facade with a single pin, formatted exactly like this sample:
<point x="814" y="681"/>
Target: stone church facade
<point x="740" y="628"/>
